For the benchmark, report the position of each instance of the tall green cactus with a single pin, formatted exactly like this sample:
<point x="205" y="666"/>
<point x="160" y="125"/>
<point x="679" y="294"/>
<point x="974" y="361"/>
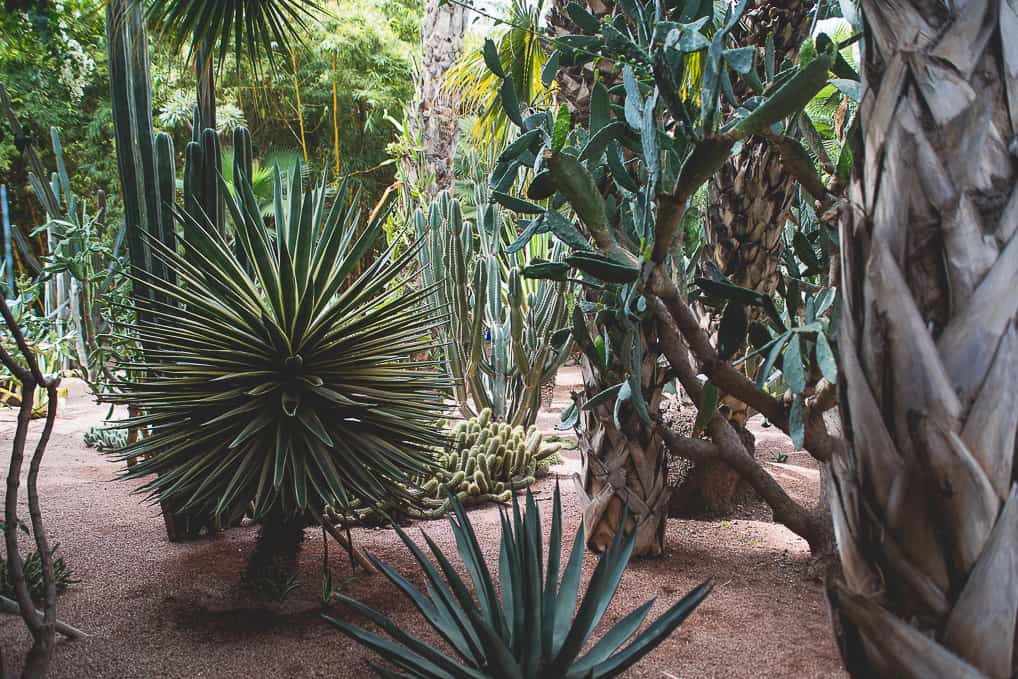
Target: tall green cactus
<point x="499" y="341"/>
<point x="146" y="164"/>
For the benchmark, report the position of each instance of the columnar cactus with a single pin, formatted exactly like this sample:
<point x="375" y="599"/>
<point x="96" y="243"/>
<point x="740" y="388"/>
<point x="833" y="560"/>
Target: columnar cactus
<point x="147" y="171"/>
<point x="499" y="340"/>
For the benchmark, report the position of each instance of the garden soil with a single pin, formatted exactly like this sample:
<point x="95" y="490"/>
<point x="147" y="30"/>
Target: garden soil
<point x="158" y="609"/>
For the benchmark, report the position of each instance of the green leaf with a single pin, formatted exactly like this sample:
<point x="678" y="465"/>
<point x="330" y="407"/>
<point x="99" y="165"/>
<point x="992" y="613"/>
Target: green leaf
<point x="706" y="408"/>
<point x="604" y="396"/>
<point x="790" y="98"/>
<point x="491" y="58"/>
<point x="792" y="367"/>
<point x="732" y="330"/>
<point x="556" y="271"/>
<point x="542" y="186"/>
<point x="560" y="132"/>
<point x="551" y="68"/>
<point x="825" y="359"/>
<point x="772" y="358"/>
<point x="740" y="59"/>
<point x="603" y="267"/>
<point x="804" y="251"/>
<point x="586" y="21"/>
<point x="510" y="102"/>
<point x="600" y="108"/>
<point x="730" y="292"/>
<point x="565" y="231"/>
<point x="796" y="423"/>
<point x="568" y="418"/>
<point x="516" y="204"/>
<point x="521" y="144"/>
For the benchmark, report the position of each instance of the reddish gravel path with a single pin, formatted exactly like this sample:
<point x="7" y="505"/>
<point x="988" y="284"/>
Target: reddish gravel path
<point x="156" y="609"/>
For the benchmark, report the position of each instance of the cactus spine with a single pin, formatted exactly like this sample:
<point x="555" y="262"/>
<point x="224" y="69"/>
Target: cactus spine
<point x="488" y="298"/>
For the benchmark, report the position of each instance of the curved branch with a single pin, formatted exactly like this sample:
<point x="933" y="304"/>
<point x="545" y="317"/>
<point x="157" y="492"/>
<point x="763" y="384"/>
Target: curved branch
<point x="672" y="309"/>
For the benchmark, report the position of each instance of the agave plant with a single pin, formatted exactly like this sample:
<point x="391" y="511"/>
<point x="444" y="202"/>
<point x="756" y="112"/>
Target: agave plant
<point x="284" y="384"/>
<point x="530" y="631"/>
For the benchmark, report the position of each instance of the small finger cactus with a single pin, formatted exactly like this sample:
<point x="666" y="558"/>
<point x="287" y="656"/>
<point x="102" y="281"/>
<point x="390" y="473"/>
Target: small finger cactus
<point x="486" y="462"/>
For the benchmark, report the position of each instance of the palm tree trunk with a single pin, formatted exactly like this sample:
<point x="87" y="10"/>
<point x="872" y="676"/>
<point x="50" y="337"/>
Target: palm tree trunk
<point x="435" y="113"/>
<point x="749" y="199"/>
<point x="924" y="500"/>
<point x="624" y="469"/>
<point x="575" y="82"/>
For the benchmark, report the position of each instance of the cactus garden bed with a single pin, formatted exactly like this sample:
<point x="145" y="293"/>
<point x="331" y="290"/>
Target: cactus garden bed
<point x="154" y="608"/>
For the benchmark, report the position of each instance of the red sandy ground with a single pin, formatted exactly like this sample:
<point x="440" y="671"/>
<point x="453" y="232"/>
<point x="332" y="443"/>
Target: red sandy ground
<point x="156" y="609"/>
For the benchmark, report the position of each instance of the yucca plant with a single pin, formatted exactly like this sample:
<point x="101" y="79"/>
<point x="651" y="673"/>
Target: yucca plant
<point x="279" y="385"/>
<point x="530" y="630"/>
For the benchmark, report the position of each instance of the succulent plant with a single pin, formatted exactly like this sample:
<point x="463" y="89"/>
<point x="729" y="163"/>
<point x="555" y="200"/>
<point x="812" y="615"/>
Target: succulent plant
<point x="503" y="340"/>
<point x="285" y="384"/>
<point x="484" y="461"/>
<point x="487" y="461"/>
<point x="530" y="626"/>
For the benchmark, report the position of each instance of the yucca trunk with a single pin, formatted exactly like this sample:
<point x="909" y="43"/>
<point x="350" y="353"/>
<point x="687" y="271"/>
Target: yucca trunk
<point x="749" y="199"/>
<point x="624" y="468"/>
<point x="435" y="112"/>
<point x="924" y="501"/>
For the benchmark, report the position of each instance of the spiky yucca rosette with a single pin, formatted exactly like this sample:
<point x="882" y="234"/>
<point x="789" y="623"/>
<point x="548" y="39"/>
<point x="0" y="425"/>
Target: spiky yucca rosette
<point x="278" y="385"/>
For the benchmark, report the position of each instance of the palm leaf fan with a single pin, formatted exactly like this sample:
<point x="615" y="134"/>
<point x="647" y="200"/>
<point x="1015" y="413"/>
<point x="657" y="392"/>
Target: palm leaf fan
<point x="252" y="26"/>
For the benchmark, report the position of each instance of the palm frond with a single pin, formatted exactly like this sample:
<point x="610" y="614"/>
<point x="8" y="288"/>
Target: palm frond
<point x="250" y="26"/>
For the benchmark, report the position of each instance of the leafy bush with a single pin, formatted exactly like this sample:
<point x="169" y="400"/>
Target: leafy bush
<point x="530" y="631"/>
<point x="62" y="576"/>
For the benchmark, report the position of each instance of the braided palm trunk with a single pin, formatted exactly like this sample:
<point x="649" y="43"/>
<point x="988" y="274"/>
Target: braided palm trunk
<point x="624" y="469"/>
<point x="748" y="203"/>
<point x="924" y="501"/>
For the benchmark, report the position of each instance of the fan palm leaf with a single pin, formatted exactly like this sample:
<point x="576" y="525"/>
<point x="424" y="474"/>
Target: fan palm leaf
<point x="280" y="383"/>
<point x="251" y="26"/>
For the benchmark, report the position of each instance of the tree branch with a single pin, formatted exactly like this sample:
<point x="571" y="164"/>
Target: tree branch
<point x="672" y="309"/>
<point x="728" y="447"/>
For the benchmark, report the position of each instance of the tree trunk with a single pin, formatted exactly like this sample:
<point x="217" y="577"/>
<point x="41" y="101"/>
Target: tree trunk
<point x="434" y="115"/>
<point x="748" y="201"/>
<point x="575" y="82"/>
<point x="627" y="467"/>
<point x="924" y="500"/>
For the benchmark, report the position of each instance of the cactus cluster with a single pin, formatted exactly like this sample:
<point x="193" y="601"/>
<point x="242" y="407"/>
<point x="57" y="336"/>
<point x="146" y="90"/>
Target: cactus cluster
<point x="502" y="340"/>
<point x="146" y="161"/>
<point x="486" y="461"/>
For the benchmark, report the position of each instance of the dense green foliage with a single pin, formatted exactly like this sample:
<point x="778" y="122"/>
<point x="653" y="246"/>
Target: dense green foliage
<point x="53" y="61"/>
<point x="630" y="172"/>
<point x="529" y="626"/>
